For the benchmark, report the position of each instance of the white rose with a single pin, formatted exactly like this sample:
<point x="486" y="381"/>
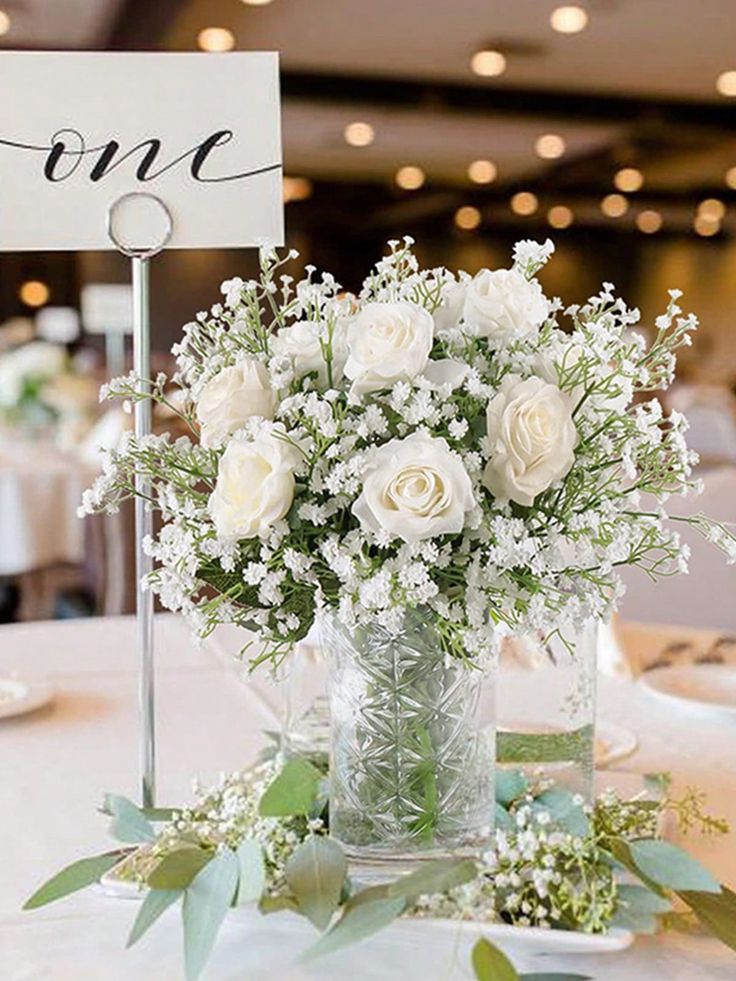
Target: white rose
<point x="387" y="342"/>
<point x="448" y="313"/>
<point x="255" y="486"/>
<point x="415" y="488"/>
<point x="532" y="438"/>
<point x="502" y="302"/>
<point x="302" y="342"/>
<point x="233" y="396"/>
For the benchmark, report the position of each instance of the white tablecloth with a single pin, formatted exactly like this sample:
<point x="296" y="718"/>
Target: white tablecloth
<point x="57" y="763"/>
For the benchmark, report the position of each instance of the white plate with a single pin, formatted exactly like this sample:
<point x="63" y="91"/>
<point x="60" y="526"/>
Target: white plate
<point x="612" y="743"/>
<point x="18" y="696"/>
<point x="707" y="687"/>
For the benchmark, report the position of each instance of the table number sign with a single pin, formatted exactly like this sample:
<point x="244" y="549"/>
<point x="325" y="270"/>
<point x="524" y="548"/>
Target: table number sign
<point x="200" y="132"/>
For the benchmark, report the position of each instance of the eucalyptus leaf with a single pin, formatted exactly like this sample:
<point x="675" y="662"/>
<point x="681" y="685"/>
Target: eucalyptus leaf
<point x="671" y="867"/>
<point x="315" y="874"/>
<point x="205" y="905"/>
<point x="128" y="824"/>
<point x="563" y="811"/>
<point x="178" y="869"/>
<point x="436" y="876"/>
<point x="510" y="784"/>
<point x="252" y="879"/>
<point x="503" y="819"/>
<point x="74" y="877"/>
<point x="638" y="908"/>
<point x="159" y="813"/>
<point x="156" y="902"/>
<point x="293" y="792"/>
<point x="277" y="904"/>
<point x="554" y="976"/>
<point x="357" y="922"/>
<point x="716" y="912"/>
<point x="491" y="964"/>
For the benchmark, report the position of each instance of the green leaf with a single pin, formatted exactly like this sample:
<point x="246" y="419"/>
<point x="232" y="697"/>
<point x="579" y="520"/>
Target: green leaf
<point x="716" y="911"/>
<point x="436" y="876"/>
<point x="277" y="904"/>
<point x="252" y="879"/>
<point x="638" y="908"/>
<point x="358" y="921"/>
<point x="563" y="811"/>
<point x="658" y="783"/>
<point x="555" y="976"/>
<point x="510" y="784"/>
<point x="293" y="792"/>
<point x="156" y="902"/>
<point x="159" y="813"/>
<point x="128" y="824"/>
<point x="491" y="964"/>
<point x="74" y="877"/>
<point x="670" y="866"/>
<point x="503" y="819"/>
<point x="177" y="869"/>
<point x="315" y="874"/>
<point x="206" y="903"/>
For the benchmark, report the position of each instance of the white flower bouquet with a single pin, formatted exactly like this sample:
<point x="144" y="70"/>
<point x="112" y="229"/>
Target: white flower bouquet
<point x="435" y="441"/>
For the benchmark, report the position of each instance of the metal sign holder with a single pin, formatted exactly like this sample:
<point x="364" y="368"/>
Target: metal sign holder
<point x="140" y="258"/>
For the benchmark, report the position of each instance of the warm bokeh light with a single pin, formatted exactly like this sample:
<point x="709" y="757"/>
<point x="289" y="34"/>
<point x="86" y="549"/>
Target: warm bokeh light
<point x="524" y="203"/>
<point x="467" y="217"/>
<point x="629" y="179"/>
<point x="216" y="39"/>
<point x="712" y="209"/>
<point x="359" y="134"/>
<point x="482" y="171"/>
<point x="550" y="146"/>
<point x="256" y="3"/>
<point x="726" y="84"/>
<point x="570" y="19"/>
<point x="614" y="205"/>
<point x="560" y="216"/>
<point x="4" y="22"/>
<point x="34" y="293"/>
<point x="410" y="178"/>
<point x="649" y="221"/>
<point x="297" y="189"/>
<point x="705" y="227"/>
<point x="488" y="63"/>
<point x="730" y="178"/>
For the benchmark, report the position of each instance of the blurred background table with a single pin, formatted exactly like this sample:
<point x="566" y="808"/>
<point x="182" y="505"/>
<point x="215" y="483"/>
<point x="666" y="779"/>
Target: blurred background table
<point x="58" y="763"/>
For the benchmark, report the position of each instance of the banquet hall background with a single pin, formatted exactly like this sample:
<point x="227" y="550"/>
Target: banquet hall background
<point x="609" y="126"/>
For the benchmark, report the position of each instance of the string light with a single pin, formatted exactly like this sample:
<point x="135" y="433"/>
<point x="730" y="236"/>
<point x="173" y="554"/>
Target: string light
<point x="34" y="293"/>
<point x="297" y="189"/>
<point x="5" y="22"/>
<point x="712" y="209"/>
<point x="649" y="221"/>
<point x="216" y="39"/>
<point x="550" y="146"/>
<point x="484" y="171"/>
<point x="488" y="63"/>
<point x="614" y="205"/>
<point x="359" y="134"/>
<point x="560" y="216"/>
<point x="467" y="217"/>
<point x="726" y="84"/>
<point x="629" y="179"/>
<point x="570" y="19"/>
<point x="410" y="178"/>
<point x="524" y="203"/>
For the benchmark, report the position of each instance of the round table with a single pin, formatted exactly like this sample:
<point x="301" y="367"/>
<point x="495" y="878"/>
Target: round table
<point x="58" y="762"/>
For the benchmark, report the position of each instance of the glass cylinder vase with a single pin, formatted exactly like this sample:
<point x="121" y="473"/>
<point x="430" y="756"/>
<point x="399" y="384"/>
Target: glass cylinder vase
<point x="411" y="745"/>
<point x="546" y="705"/>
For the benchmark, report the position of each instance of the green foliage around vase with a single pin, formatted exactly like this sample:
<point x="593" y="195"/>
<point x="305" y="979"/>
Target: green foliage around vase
<point x="261" y="837"/>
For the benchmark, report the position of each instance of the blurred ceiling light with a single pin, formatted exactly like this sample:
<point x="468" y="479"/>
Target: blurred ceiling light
<point x="488" y="63"/>
<point x="550" y="146"/>
<point x="524" y="203"/>
<point x="629" y="179"/>
<point x="614" y="205"/>
<point x="706" y="227"/>
<point x="712" y="209"/>
<point x="730" y="177"/>
<point x="256" y="3"/>
<point x="560" y="216"/>
<point x="726" y="84"/>
<point x="485" y="171"/>
<point x="216" y="39"/>
<point x="649" y="221"/>
<point x="467" y="217"/>
<point x="34" y="293"/>
<point x="570" y="19"/>
<point x="297" y="189"/>
<point x="410" y="178"/>
<point x="5" y="22"/>
<point x="359" y="134"/>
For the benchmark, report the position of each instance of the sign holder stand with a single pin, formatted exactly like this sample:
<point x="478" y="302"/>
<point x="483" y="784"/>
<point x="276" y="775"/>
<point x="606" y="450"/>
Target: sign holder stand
<point x="140" y="258"/>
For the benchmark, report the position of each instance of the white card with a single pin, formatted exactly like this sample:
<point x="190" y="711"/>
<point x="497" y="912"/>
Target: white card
<point x="107" y="308"/>
<point x="200" y="131"/>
